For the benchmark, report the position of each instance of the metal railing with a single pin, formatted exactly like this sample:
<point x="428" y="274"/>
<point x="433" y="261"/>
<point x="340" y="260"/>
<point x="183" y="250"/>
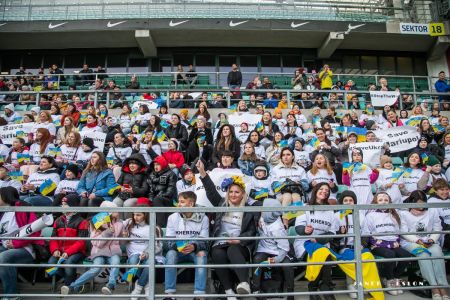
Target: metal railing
<point x="152" y="239"/>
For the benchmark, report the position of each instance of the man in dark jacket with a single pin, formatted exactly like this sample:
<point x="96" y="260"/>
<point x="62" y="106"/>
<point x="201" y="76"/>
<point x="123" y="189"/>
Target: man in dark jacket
<point x="177" y="131"/>
<point x="234" y="79"/>
<point x="133" y="181"/>
<point x="162" y="187"/>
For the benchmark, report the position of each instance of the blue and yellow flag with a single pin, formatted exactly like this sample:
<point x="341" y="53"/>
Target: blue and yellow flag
<point x="233" y="108"/>
<point x="344" y="212"/>
<point x="294" y="214"/>
<point x="259" y="126"/>
<point x="419" y="250"/>
<point x="57" y="122"/>
<point x="314" y="142"/>
<point x="201" y="140"/>
<point x="353" y="167"/>
<point x="54" y="151"/>
<point x="439" y="128"/>
<point x="181" y="245"/>
<point x="258" y="269"/>
<point x="424" y="157"/>
<point x="52" y="271"/>
<point x="278" y="186"/>
<point x="283" y="143"/>
<point x="20" y="134"/>
<point x="316" y="120"/>
<point x="129" y="275"/>
<point x="100" y="219"/>
<point x="399" y="172"/>
<point x="83" y="116"/>
<point x="23" y="157"/>
<point x="160" y="136"/>
<point x="109" y="160"/>
<point x="16" y="175"/>
<point x="193" y="120"/>
<point x="360" y="132"/>
<point x="47" y="187"/>
<point x="413" y="121"/>
<point x="2" y="159"/>
<point x="18" y="120"/>
<point x="102" y="114"/>
<point x="261" y="194"/>
<point x="114" y="189"/>
<point x="164" y="123"/>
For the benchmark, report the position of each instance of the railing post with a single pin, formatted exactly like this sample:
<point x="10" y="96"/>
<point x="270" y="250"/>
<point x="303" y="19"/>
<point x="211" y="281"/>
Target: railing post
<point x="228" y="98"/>
<point x="217" y="79"/>
<point x="95" y="99"/>
<point x="107" y="99"/>
<point x="288" y="96"/>
<point x="345" y="99"/>
<point x="357" y="248"/>
<point x="151" y="257"/>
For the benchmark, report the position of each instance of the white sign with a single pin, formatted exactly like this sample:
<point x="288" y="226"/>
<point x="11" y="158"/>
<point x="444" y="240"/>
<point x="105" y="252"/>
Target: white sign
<point x="9" y="132"/>
<point x="150" y="104"/>
<point x="414" y="28"/>
<point x="236" y="119"/>
<point x="98" y="137"/>
<point x="382" y="98"/>
<point x="399" y="138"/>
<point x="217" y="176"/>
<point x="371" y="152"/>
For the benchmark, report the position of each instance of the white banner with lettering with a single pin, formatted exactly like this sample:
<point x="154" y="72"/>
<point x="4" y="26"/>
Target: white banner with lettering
<point x="98" y="137"/>
<point x="371" y="152"/>
<point x="217" y="176"/>
<point x="399" y="138"/>
<point x="382" y="98"/>
<point x="236" y="119"/>
<point x="150" y="104"/>
<point x="9" y="132"/>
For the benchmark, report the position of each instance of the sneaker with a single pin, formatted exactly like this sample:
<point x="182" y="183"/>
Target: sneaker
<point x="136" y="292"/>
<point x="65" y="290"/>
<point x="230" y="292"/>
<point x="108" y="289"/>
<point x="352" y="287"/>
<point x="390" y="284"/>
<point x="243" y="288"/>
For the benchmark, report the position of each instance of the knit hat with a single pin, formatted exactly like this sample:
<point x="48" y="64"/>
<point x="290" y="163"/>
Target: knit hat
<point x="176" y="144"/>
<point x="143" y="202"/>
<point x="261" y="166"/>
<point x="271" y="216"/>
<point x="36" y="109"/>
<point x="185" y="169"/>
<point x="74" y="169"/>
<point x="71" y="200"/>
<point x="184" y="112"/>
<point x="277" y="110"/>
<point x="432" y="160"/>
<point x="160" y="160"/>
<point x="89" y="142"/>
<point x="108" y="204"/>
<point x="10" y="107"/>
<point x="347" y="194"/>
<point x="423" y="139"/>
<point x="384" y="159"/>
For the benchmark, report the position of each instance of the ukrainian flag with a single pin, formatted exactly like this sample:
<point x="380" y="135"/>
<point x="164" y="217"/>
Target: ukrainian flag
<point x="438" y="128"/>
<point x="52" y="271"/>
<point x="294" y="214"/>
<point x="20" y="134"/>
<point x="102" y="114"/>
<point x="344" y="212"/>
<point x="109" y="160"/>
<point x="57" y="122"/>
<point x="128" y="275"/>
<point x="83" y="116"/>
<point x="424" y="157"/>
<point x="101" y="218"/>
<point x="181" y="245"/>
<point x="201" y="140"/>
<point x="398" y="172"/>
<point x="164" y="123"/>
<point x="283" y="143"/>
<point x="193" y="120"/>
<point x="114" y="189"/>
<point x="23" y="157"/>
<point x="161" y="136"/>
<point x="278" y="186"/>
<point x="233" y="108"/>
<point x="261" y="194"/>
<point x="319" y="253"/>
<point x="54" y="151"/>
<point x="258" y="269"/>
<point x="360" y="132"/>
<point x="259" y="126"/>
<point x="359" y="167"/>
<point x="413" y="121"/>
<point x="47" y="187"/>
<point x="16" y="175"/>
<point x="18" y="120"/>
<point x="314" y="142"/>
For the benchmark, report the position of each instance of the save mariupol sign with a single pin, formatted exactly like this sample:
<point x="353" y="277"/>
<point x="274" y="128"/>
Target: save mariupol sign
<point x="433" y="29"/>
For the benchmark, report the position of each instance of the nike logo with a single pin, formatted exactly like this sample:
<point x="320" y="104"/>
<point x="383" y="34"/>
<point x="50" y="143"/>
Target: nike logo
<point x="109" y="25"/>
<point x="232" y="24"/>
<point x="173" y="24"/>
<point x="350" y="27"/>
<point x="51" y="26"/>
<point x="2" y="24"/>
<point x="293" y="25"/>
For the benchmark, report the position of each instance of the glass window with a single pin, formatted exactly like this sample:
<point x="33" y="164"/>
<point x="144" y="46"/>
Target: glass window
<point x="225" y="62"/>
<point x="249" y="67"/>
<point x="49" y="60"/>
<point x="94" y="60"/>
<point x="165" y="65"/>
<point x="183" y="59"/>
<point x="117" y="60"/>
<point x="205" y="60"/>
<point x="270" y="64"/>
<point x="387" y="65"/>
<point x="74" y="61"/>
<point x="291" y="63"/>
<point x="138" y="65"/>
<point x="404" y="66"/>
<point x="369" y="64"/>
<point x="335" y="65"/>
<point x="10" y="62"/>
<point x="32" y="61"/>
<point x="351" y="64"/>
<point x="420" y="66"/>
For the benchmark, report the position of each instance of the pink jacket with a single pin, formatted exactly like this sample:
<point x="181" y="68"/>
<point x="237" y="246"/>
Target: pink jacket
<point x="22" y="219"/>
<point x="372" y="178"/>
<point x="106" y="248"/>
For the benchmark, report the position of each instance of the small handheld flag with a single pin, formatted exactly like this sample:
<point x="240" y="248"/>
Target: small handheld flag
<point x="438" y="128"/>
<point x="110" y="160"/>
<point x="57" y="122"/>
<point x="343" y="213"/>
<point x="413" y="121"/>
<point x="102" y="114"/>
<point x="164" y="123"/>
<point x="114" y="189"/>
<point x="100" y="219"/>
<point x="47" y="187"/>
<point x="193" y="120"/>
<point x="52" y="271"/>
<point x="83" y="116"/>
<point x="23" y="157"/>
<point x="54" y="151"/>
<point x="278" y="186"/>
<point x="20" y="134"/>
<point x="314" y="142"/>
<point x="181" y="245"/>
<point x="129" y="275"/>
<point x="16" y="175"/>
<point x="258" y="269"/>
<point x="233" y="108"/>
<point x="259" y="126"/>
<point x="283" y="143"/>
<point x="294" y="214"/>
<point x="201" y="140"/>
<point x="18" y="120"/>
<point x="424" y="157"/>
<point x="161" y="136"/>
<point x="261" y="194"/>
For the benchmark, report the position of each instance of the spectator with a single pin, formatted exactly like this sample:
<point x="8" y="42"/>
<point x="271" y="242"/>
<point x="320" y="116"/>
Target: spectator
<point x="101" y="73"/>
<point x="298" y="82"/>
<point x="326" y="78"/>
<point x="266" y="85"/>
<point x="133" y="84"/>
<point x="234" y="79"/>
<point x="191" y="76"/>
<point x="86" y="78"/>
<point x="179" y="76"/>
<point x="442" y="86"/>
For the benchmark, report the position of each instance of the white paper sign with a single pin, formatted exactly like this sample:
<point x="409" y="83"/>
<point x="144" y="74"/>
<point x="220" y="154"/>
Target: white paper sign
<point x="236" y="119"/>
<point x="150" y="104"/>
<point x="217" y="176"/>
<point x="371" y="152"/>
<point x="399" y="138"/>
<point x="98" y="137"/>
<point x="382" y="98"/>
<point x="9" y="132"/>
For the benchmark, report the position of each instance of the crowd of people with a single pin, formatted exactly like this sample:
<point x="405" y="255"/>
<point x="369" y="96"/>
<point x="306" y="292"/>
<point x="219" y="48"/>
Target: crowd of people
<point x="161" y="158"/>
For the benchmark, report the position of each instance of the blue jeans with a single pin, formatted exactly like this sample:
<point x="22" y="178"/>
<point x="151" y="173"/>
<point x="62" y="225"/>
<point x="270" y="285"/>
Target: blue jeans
<point x="8" y="275"/>
<point x="93" y="272"/>
<point x="39" y="200"/>
<point x="133" y="260"/>
<point x="172" y="258"/>
<point x="69" y="274"/>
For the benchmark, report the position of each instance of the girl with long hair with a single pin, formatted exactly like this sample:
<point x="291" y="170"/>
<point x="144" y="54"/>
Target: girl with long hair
<point x="68" y="125"/>
<point x="226" y="141"/>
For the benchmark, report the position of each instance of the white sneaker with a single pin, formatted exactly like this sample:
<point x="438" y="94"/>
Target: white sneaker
<point x="65" y="290"/>
<point x="352" y="287"/>
<point x="230" y="292"/>
<point x="391" y="284"/>
<point x="147" y="289"/>
<point x="136" y="292"/>
<point x="243" y="288"/>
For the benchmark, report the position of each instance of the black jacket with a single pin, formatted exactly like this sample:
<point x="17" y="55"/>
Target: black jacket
<point x="234" y="78"/>
<point x="162" y="184"/>
<point x="235" y="147"/>
<point x="179" y="132"/>
<point x="137" y="181"/>
<point x="249" y="222"/>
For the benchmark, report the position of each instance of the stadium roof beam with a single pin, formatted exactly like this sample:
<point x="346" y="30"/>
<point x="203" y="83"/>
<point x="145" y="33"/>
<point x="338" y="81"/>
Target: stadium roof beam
<point x="440" y="48"/>
<point x="331" y="43"/>
<point x="146" y="43"/>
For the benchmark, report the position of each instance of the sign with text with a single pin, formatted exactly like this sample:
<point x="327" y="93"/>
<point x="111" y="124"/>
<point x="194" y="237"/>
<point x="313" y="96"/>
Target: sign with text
<point x="399" y="138"/>
<point x="98" y="137"/>
<point x="382" y="98"/>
